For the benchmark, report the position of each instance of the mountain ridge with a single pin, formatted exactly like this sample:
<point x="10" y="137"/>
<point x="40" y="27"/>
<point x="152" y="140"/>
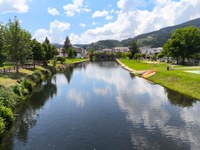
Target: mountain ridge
<point x="152" y="39"/>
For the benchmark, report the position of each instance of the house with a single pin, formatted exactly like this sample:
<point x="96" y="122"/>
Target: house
<point x="80" y="52"/>
<point x="60" y="53"/>
<point x="120" y="49"/>
<point x="150" y="51"/>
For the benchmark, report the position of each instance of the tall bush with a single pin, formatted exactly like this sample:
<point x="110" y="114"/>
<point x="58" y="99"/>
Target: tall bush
<point x="2" y="127"/>
<point x="7" y="115"/>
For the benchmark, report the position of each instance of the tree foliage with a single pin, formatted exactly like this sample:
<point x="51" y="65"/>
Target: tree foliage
<point x="49" y="49"/>
<point x="70" y="53"/>
<point x="38" y="51"/>
<point x="184" y="43"/>
<point x="2" y="55"/>
<point x="67" y="45"/>
<point x="133" y="49"/>
<point x="17" y="43"/>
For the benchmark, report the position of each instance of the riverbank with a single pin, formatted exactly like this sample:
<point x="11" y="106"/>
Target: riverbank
<point x="176" y="79"/>
<point x="16" y="87"/>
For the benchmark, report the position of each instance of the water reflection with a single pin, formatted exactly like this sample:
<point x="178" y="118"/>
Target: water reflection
<point x="68" y="73"/>
<point x="179" y="100"/>
<point x="102" y="106"/>
<point x="76" y="96"/>
<point x="155" y="123"/>
<point x="27" y="113"/>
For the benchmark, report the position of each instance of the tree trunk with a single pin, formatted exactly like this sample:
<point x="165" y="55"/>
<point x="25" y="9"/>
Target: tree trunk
<point x="183" y="62"/>
<point x="34" y="63"/>
<point x="177" y="60"/>
<point x="17" y="67"/>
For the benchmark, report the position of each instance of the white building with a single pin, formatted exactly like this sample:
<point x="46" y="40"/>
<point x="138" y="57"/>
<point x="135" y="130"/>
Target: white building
<point x="120" y="49"/>
<point x="150" y="51"/>
<point x="80" y="52"/>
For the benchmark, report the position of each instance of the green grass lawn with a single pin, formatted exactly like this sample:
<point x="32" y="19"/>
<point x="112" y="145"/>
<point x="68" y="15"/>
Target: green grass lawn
<point x="7" y="82"/>
<point x="176" y="79"/>
<point x="74" y="60"/>
<point x="67" y="61"/>
<point x="10" y="78"/>
<point x="140" y="65"/>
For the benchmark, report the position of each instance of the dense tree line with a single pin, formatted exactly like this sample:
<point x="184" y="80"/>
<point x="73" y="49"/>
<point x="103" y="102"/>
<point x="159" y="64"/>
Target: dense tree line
<point x="184" y="43"/>
<point x="16" y="45"/>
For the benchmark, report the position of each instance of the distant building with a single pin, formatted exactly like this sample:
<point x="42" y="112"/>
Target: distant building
<point x="80" y="52"/>
<point x="120" y="49"/>
<point x="150" y="51"/>
<point x="60" y="53"/>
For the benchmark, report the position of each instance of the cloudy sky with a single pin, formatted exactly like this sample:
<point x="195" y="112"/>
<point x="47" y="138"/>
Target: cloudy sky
<point x="87" y="21"/>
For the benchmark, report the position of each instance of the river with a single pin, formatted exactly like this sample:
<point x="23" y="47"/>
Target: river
<point x="100" y="106"/>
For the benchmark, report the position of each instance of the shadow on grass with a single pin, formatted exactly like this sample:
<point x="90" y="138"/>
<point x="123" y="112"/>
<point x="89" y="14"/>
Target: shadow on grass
<point x="13" y="75"/>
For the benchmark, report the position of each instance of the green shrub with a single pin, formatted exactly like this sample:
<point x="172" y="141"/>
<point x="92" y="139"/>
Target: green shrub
<point x="24" y="91"/>
<point x="7" y="115"/>
<point x="2" y="127"/>
<point x="7" y="97"/>
<point x="61" y="59"/>
<point x="37" y="76"/>
<point x="46" y="73"/>
<point x="17" y="90"/>
<point x="27" y="84"/>
<point x="94" y="58"/>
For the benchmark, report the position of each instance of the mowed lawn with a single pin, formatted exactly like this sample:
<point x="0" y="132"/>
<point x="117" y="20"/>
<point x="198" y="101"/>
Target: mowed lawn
<point x="10" y="78"/>
<point x="74" y="60"/>
<point x="176" y="79"/>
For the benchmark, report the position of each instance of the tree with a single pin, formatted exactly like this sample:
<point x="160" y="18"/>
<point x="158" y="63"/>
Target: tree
<point x="50" y="50"/>
<point x="134" y="49"/>
<point x="17" y="43"/>
<point x="70" y="53"/>
<point x="183" y="43"/>
<point x="2" y="55"/>
<point x="74" y="53"/>
<point x="38" y="51"/>
<point x="67" y="45"/>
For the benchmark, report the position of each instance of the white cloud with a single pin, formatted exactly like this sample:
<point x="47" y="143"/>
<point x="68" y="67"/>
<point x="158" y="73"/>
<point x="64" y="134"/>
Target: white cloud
<point x="55" y="32"/>
<point x="40" y="34"/>
<point x="94" y="23"/>
<point x="128" y="5"/>
<point x="75" y="7"/>
<point x="131" y="22"/>
<point x="76" y="96"/>
<point x="109" y="17"/>
<point x="147" y="108"/>
<point x="82" y="25"/>
<point x="14" y="6"/>
<point x="100" y="14"/>
<point x="86" y="10"/>
<point x="53" y="11"/>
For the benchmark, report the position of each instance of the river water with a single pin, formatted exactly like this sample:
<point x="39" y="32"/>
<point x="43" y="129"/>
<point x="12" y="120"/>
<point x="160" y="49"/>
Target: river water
<point x="100" y="106"/>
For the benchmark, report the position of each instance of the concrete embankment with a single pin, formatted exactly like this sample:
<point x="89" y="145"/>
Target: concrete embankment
<point x="135" y="72"/>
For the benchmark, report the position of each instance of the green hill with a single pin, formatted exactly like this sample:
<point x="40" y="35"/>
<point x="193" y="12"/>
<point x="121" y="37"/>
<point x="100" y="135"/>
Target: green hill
<point x="152" y="39"/>
<point x="159" y="38"/>
<point x="103" y="44"/>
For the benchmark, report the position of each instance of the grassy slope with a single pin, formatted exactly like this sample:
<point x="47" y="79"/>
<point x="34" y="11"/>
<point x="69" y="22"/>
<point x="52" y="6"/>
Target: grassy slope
<point x="10" y="78"/>
<point x="67" y="61"/>
<point x="177" y="79"/>
<point x="74" y="60"/>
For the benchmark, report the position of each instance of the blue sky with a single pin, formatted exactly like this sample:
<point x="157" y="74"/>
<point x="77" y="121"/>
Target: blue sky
<point x="87" y="21"/>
